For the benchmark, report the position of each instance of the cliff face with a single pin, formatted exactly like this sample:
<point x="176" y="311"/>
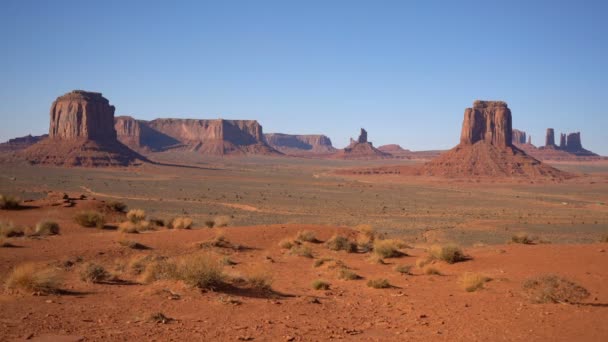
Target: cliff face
<point x="488" y="121"/>
<point x="550" y="138"/>
<point x="294" y="144"/>
<point x="81" y="114"/>
<point x="519" y="137"/>
<point x="569" y="143"/>
<point x="139" y="136"/>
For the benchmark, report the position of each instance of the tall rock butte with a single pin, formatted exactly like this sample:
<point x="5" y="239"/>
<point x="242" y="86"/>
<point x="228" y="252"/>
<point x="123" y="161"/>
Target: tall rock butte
<point x="208" y="137"/>
<point x="550" y="138"/>
<point x="300" y="144"/>
<point x="569" y="145"/>
<point x="361" y="149"/>
<point x="81" y="133"/>
<point x="486" y="149"/>
<point x="519" y="137"/>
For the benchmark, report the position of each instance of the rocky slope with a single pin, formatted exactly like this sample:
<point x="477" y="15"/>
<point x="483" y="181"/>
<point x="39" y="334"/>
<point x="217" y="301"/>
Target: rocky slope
<point x="20" y="143"/>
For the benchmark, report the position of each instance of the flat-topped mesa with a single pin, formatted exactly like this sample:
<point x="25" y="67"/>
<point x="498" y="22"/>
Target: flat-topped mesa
<point x="82" y="114"/>
<point x="291" y="143"/>
<point x="550" y="138"/>
<point x="488" y="121"/>
<point x="573" y="142"/>
<point x="519" y="137"/>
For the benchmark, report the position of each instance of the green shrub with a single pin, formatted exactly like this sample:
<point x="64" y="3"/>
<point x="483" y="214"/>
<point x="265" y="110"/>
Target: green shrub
<point x="90" y="218"/>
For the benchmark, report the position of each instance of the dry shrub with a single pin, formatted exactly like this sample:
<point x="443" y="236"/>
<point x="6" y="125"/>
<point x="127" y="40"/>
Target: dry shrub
<point x="376" y="259"/>
<point x="553" y="289"/>
<point x="260" y="279"/>
<point x="404" y="269"/>
<point x="94" y="273"/>
<point x="307" y="236"/>
<point x="209" y="223"/>
<point x="288" y="243"/>
<point x="320" y="285"/>
<point x="448" y="253"/>
<point x="33" y="278"/>
<point x="430" y="270"/>
<point x="158" y="269"/>
<point x="8" y="229"/>
<point x="331" y="263"/>
<point x="378" y="283"/>
<point x="388" y="248"/>
<point x="346" y="274"/>
<point x="46" y="228"/>
<point x="116" y="206"/>
<point x="90" y="218"/>
<point x="341" y="243"/>
<point x="200" y="270"/>
<point x="471" y="282"/>
<point x="5" y="244"/>
<point x="521" y="238"/>
<point x="301" y="250"/>
<point x="9" y="202"/>
<point x="421" y="262"/>
<point x="182" y="223"/>
<point x="160" y="318"/>
<point x="132" y="244"/>
<point x="136" y="215"/>
<point x="226" y="261"/>
<point x="222" y="221"/>
<point x="367" y="231"/>
<point x="133" y="228"/>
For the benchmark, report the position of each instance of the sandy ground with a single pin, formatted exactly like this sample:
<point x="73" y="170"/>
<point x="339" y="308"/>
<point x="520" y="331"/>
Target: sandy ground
<point x="415" y="307"/>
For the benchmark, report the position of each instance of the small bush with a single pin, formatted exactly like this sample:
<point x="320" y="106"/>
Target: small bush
<point x="473" y="281"/>
<point x="90" y="218"/>
<point x="341" y="243"/>
<point x="448" y="253"/>
<point x="9" y="202"/>
<point x="158" y="269"/>
<point x="321" y="262"/>
<point x="378" y="283"/>
<point x="288" y="243"/>
<point x="160" y="318"/>
<point x="34" y="279"/>
<point x="421" y="262"/>
<point x="431" y="271"/>
<point x="387" y="248"/>
<point x="306" y="236"/>
<point x="209" y="223"/>
<point x="521" y="238"/>
<point x="47" y="228"/>
<point x="404" y="269"/>
<point x="320" y="285"/>
<point x="301" y="250"/>
<point x="260" y="279"/>
<point x="553" y="289"/>
<point x="8" y="229"/>
<point x="226" y="261"/>
<point x="128" y="227"/>
<point x="222" y="221"/>
<point x="93" y="273"/>
<point x="157" y="222"/>
<point x="200" y="270"/>
<point x="136" y="215"/>
<point x="116" y="206"/>
<point x="347" y="274"/>
<point x="182" y="223"/>
<point x="132" y="244"/>
<point x="376" y="259"/>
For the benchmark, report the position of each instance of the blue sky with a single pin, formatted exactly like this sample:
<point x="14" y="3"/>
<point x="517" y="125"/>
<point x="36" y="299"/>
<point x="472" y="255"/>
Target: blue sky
<point x="404" y="70"/>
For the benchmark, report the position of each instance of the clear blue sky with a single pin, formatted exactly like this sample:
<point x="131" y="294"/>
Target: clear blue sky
<point x="404" y="70"/>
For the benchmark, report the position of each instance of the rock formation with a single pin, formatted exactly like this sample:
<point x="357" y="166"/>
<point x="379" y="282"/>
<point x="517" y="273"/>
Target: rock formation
<point x="562" y="141"/>
<point x="550" y="138"/>
<point x="81" y="133"/>
<point x="575" y="146"/>
<point x="139" y="136"/>
<point x="20" y="143"/>
<point x="570" y="147"/>
<point x="361" y="149"/>
<point x="298" y="144"/>
<point x="392" y="148"/>
<point x="519" y="137"/>
<point x="486" y="149"/>
<point x="529" y="140"/>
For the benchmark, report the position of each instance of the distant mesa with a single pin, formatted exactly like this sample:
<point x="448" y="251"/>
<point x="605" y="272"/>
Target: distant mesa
<point x="518" y="137"/>
<point x="20" y="143"/>
<point x="361" y="149"/>
<point x="570" y="146"/>
<point x="392" y="148"/>
<point x="300" y="144"/>
<point x="486" y="148"/>
<point x="208" y="137"/>
<point x="81" y="133"/>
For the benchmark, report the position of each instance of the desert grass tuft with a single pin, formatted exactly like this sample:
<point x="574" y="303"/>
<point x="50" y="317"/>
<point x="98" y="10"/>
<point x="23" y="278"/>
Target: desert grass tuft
<point x="288" y="243"/>
<point x="553" y="289"/>
<point x="132" y="244"/>
<point x="222" y="221"/>
<point x="306" y="236"/>
<point x="341" y="243"/>
<point x="472" y="282"/>
<point x="346" y="274"/>
<point x="430" y="270"/>
<point x="259" y="279"/>
<point x="448" y="253"/>
<point x="9" y="202"/>
<point x="378" y="283"/>
<point x="404" y="269"/>
<point x="94" y="273"/>
<point x="32" y="278"/>
<point x="46" y="228"/>
<point x="90" y="218"/>
<point x="8" y="229"/>
<point x="301" y="250"/>
<point x="521" y="238"/>
<point x="160" y="318"/>
<point x="116" y="206"/>
<point x="200" y="270"/>
<point x="182" y="223"/>
<point x="136" y="215"/>
<point x="388" y="248"/>
<point x="320" y="285"/>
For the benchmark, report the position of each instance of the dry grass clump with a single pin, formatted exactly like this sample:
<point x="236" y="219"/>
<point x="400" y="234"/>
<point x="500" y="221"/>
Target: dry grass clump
<point x="388" y="248"/>
<point x="553" y="289"/>
<point x="131" y="227"/>
<point x="521" y="238"/>
<point x="182" y="223"/>
<point x="219" y="241"/>
<point x="346" y="274"/>
<point x="94" y="273"/>
<point x="136" y="215"/>
<point x="222" y="221"/>
<point x="260" y="279"/>
<point x="116" y="206"/>
<point x="472" y="282"/>
<point x="8" y="229"/>
<point x="341" y="243"/>
<point x="430" y="270"/>
<point x="421" y="262"/>
<point x="301" y="250"/>
<point x="32" y="278"/>
<point x="376" y="259"/>
<point x="158" y="269"/>
<point x="160" y="318"/>
<point x="288" y="243"/>
<point x="46" y="228"/>
<point x="132" y="244"/>
<point x="320" y="285"/>
<point x="404" y="269"/>
<point x="331" y="263"/>
<point x="448" y="253"/>
<point x="378" y="283"/>
<point x="200" y="270"/>
<point x="90" y="218"/>
<point x="365" y="238"/>
<point x="5" y="244"/>
<point x="9" y="202"/>
<point x="209" y="223"/>
<point x="306" y="236"/>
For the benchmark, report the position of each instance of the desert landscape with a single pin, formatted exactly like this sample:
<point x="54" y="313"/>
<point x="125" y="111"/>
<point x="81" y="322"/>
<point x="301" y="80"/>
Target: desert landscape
<point x="320" y="171"/>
